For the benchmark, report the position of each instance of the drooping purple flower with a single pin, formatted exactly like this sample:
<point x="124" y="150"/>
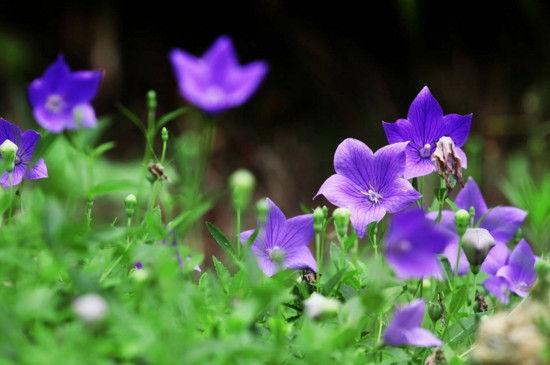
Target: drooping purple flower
<point x="26" y="143"/>
<point x="405" y="328"/>
<point x="424" y="126"/>
<point x="518" y="275"/>
<point x="501" y="222"/>
<point x="284" y="239"/>
<point x="413" y="244"/>
<point x="368" y="185"/>
<point x="61" y="99"/>
<point x="216" y="81"/>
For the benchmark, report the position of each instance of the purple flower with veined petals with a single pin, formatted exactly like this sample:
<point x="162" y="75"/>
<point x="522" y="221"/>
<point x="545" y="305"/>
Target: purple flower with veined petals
<point x="501" y="222"/>
<point x="61" y="98"/>
<point x="26" y="143"/>
<point x="518" y="275"/>
<point x="216" y="81"/>
<point x="283" y="238"/>
<point x="405" y="328"/>
<point x="413" y="244"/>
<point x="424" y="126"/>
<point x="369" y="185"/>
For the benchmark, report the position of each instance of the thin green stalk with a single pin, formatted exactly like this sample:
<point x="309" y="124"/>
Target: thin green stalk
<point x="238" y="233"/>
<point x="11" y="196"/>
<point x="111" y="267"/>
<point x="474" y="296"/>
<point x="457" y="262"/>
<point x="442" y="202"/>
<point x="89" y="204"/>
<point x="318" y="256"/>
<point x="421" y="190"/>
<point x="154" y="196"/>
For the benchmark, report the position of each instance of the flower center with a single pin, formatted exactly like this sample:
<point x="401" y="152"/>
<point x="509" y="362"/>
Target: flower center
<point x="404" y="246"/>
<point x="17" y="159"/>
<point x="276" y="254"/>
<point x="55" y="103"/>
<point x="214" y="94"/>
<point x="523" y="286"/>
<point x="425" y="151"/>
<point x="372" y="196"/>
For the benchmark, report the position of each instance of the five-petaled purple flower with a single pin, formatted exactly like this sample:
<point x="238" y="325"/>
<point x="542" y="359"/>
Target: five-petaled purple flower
<point x="517" y="275"/>
<point x="216" y="81"/>
<point x="61" y="98"/>
<point x="413" y="244"/>
<point x="26" y="144"/>
<point x="284" y="240"/>
<point x="501" y="222"/>
<point x="405" y="328"/>
<point x="424" y="126"/>
<point x="369" y="185"/>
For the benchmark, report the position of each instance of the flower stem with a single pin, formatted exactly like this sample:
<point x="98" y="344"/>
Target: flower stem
<point x="421" y="190"/>
<point x="474" y="296"/>
<point x="238" y="229"/>
<point x="318" y="257"/>
<point x="11" y="196"/>
<point x="457" y="261"/>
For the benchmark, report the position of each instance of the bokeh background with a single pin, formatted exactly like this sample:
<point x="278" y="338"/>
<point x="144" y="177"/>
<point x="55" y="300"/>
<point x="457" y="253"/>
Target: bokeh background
<point x="336" y="71"/>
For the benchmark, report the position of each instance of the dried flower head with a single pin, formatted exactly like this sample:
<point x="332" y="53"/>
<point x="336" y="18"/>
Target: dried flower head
<point x="448" y="163"/>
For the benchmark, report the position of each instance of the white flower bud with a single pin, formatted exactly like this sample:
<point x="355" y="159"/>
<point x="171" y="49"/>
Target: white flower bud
<point x="90" y="307"/>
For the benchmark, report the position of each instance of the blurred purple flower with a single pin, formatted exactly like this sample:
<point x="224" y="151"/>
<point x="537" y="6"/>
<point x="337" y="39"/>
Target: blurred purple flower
<point x="501" y="222"/>
<point x="284" y="239"/>
<point x="413" y="244"/>
<point x="518" y="275"/>
<point x="174" y="243"/>
<point x="369" y="185"/>
<point x="61" y="98"/>
<point x="424" y="126"/>
<point x="26" y="144"/>
<point x="216" y="81"/>
<point x="405" y="328"/>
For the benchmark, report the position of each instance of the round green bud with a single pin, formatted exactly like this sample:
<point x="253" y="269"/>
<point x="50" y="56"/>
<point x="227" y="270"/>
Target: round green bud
<point x="341" y="220"/>
<point x="8" y="149"/>
<point x="164" y="134"/>
<point x="318" y="218"/>
<point x="461" y="221"/>
<point x="151" y="99"/>
<point x="476" y="243"/>
<point x="242" y="184"/>
<point x="542" y="267"/>
<point x="434" y="311"/>
<point x="325" y="211"/>
<point x="130" y="203"/>
<point x="262" y="209"/>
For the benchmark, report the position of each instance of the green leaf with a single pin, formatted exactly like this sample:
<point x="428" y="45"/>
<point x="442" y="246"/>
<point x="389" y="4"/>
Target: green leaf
<point x="102" y="148"/>
<point x="250" y="241"/>
<point x="221" y="239"/>
<point x="332" y="282"/>
<point x="223" y="274"/>
<point x="169" y="117"/>
<point x="111" y="187"/>
<point x="452" y="205"/>
<point x="335" y="255"/>
<point x="153" y="219"/>
<point x="134" y="118"/>
<point x="440" y="194"/>
<point x="462" y="329"/>
<point x="459" y="298"/>
<point x="447" y="271"/>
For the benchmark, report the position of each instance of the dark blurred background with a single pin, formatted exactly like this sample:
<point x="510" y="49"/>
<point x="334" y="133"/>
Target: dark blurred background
<point x="336" y="71"/>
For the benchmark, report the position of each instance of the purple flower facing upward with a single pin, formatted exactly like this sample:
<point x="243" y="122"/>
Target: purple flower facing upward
<point x="369" y="184"/>
<point x="216" y="81"/>
<point x="284" y="240"/>
<point x="501" y="222"/>
<point x="26" y="143"/>
<point x="413" y="244"/>
<point x="518" y="275"/>
<point x="61" y="98"/>
<point x="405" y="328"/>
<point x="424" y="126"/>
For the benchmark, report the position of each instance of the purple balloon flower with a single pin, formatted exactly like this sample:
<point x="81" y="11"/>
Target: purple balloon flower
<point x="26" y="144"/>
<point x="405" y="328"/>
<point x="369" y="185"/>
<point x="216" y="81"/>
<point x="282" y="238"/>
<point x="501" y="222"/>
<point x="518" y="275"/>
<point x="61" y="98"/>
<point x="424" y="126"/>
<point x="413" y="244"/>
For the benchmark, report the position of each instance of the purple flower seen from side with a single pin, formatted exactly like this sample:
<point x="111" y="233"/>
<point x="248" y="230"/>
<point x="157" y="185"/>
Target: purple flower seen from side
<point x="61" y="99"/>
<point x="369" y="184"/>
<point x="501" y="222"/>
<point x="518" y="275"/>
<point x="283" y="238"/>
<point x="216" y="81"/>
<point x="405" y="328"/>
<point x="424" y="126"/>
<point x="413" y="244"/>
<point x="26" y="143"/>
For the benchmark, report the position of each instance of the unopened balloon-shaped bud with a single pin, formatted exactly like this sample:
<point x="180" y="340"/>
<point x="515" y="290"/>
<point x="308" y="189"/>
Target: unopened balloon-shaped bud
<point x="151" y="99"/>
<point x="317" y="305"/>
<point x="90" y="307"/>
<point x="164" y="134"/>
<point x="461" y="221"/>
<point x="341" y="221"/>
<point x="262" y="209"/>
<point x="130" y="203"/>
<point x="472" y="215"/>
<point x="477" y="242"/>
<point x="8" y="149"/>
<point x="242" y="184"/>
<point x="318" y="220"/>
<point x="434" y="311"/>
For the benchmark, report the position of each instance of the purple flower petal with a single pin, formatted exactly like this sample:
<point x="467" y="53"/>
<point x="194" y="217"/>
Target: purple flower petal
<point x="84" y="115"/>
<point x="245" y="83"/>
<point x="457" y="127"/>
<point x="221" y="57"/>
<point x="351" y="160"/>
<point x="520" y="271"/>
<point x="82" y="86"/>
<point x="498" y="286"/>
<point x="52" y="122"/>
<point x="361" y="216"/>
<point x="298" y="232"/>
<point x="497" y="258"/>
<point x="503" y="222"/>
<point x="38" y="171"/>
<point x="17" y="176"/>
<point x="405" y="329"/>
<point x="29" y="140"/>
<point x="423" y="338"/>
<point x="463" y="159"/>
<point x="275" y="224"/>
<point x="244" y="236"/>
<point x="10" y="131"/>
<point x="471" y="196"/>
<point x="56" y="75"/>
<point x="450" y="252"/>
<point x="398" y="196"/>
<point x="298" y="258"/>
